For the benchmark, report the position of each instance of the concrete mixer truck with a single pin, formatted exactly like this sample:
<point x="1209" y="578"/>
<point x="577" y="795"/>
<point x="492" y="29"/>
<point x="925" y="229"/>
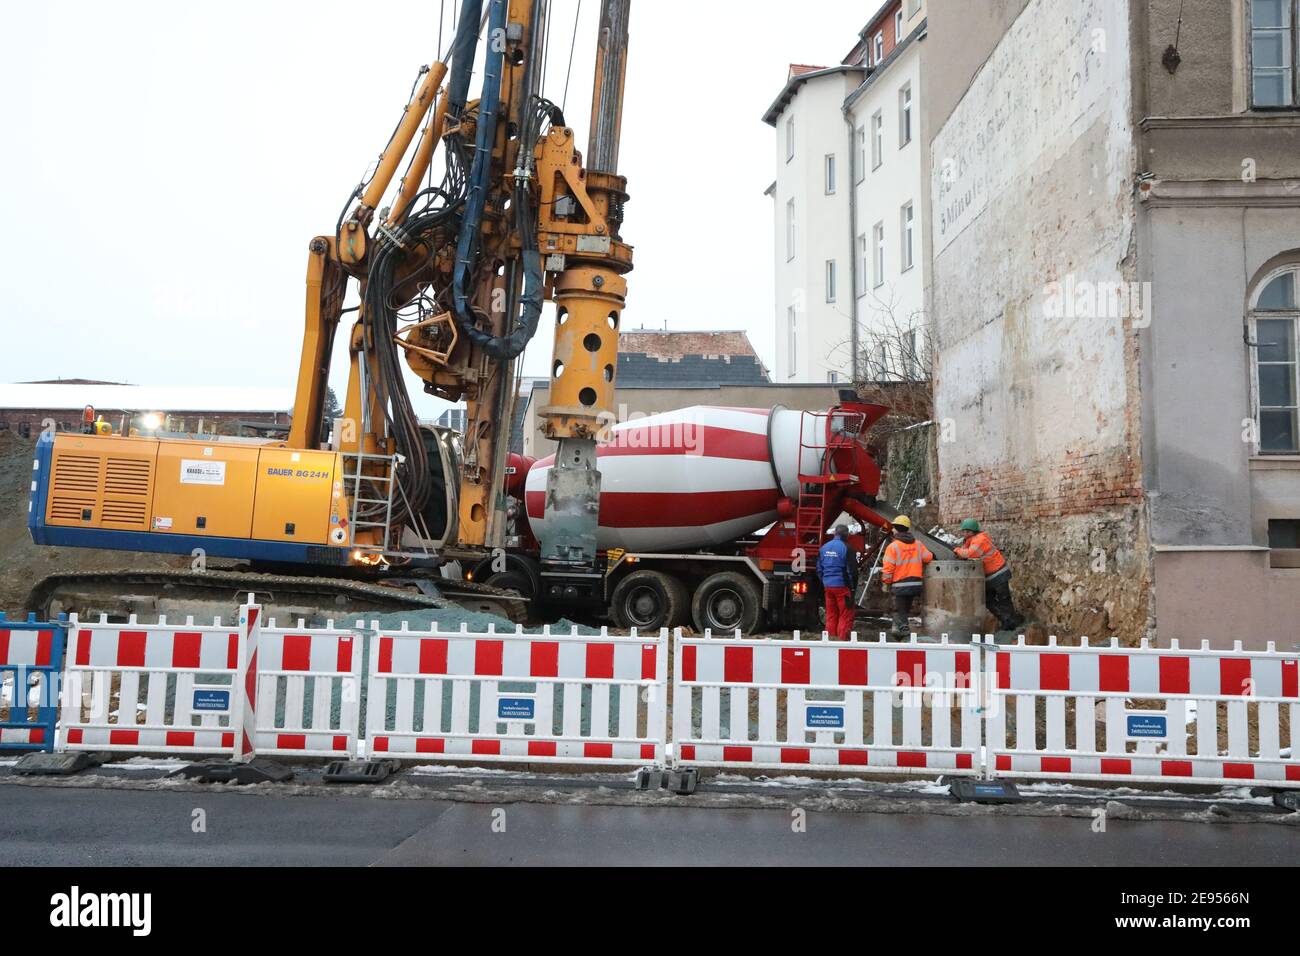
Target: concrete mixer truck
<point x="710" y="517"/>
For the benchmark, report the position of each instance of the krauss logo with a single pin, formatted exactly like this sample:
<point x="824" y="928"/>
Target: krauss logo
<point x="77" y="909"/>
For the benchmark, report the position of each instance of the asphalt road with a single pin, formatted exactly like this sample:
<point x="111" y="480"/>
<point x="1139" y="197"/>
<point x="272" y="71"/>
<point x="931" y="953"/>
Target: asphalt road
<point x="90" y="827"/>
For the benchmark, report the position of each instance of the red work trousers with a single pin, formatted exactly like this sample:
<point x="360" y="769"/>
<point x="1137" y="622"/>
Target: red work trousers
<point x="839" y="612"/>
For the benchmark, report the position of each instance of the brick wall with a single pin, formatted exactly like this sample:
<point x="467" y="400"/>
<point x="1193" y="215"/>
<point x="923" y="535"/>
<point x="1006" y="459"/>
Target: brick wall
<point x="1075" y="535"/>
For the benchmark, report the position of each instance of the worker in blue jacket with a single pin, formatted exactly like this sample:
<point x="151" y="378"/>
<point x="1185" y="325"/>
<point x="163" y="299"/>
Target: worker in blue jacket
<point x="837" y="566"/>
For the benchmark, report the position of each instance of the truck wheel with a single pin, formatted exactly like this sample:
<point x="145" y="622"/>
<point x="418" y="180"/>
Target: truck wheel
<point x="513" y="581"/>
<point x="649" y="600"/>
<point x="726" y="601"/>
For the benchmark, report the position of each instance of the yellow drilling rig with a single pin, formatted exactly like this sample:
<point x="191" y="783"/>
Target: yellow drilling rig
<point x="363" y="512"/>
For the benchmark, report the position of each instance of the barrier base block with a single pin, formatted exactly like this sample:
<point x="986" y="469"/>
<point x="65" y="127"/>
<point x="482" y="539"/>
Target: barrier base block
<point x="360" y="771"/>
<point x="54" y="764"/>
<point x="975" y="790"/>
<point x="681" y="782"/>
<point x="230" y="771"/>
<point x="1287" y="800"/>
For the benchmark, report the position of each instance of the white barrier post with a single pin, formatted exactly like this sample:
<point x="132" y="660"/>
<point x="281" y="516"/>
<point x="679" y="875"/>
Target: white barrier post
<point x="245" y="716"/>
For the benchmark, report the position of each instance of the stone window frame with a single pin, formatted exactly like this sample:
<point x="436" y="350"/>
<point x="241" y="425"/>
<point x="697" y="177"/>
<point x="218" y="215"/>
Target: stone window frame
<point x="906" y="227"/>
<point x="792" y="339"/>
<point x="790" y="226"/>
<point x="1254" y="314"/>
<point x="878" y="254"/>
<point x="877" y="139"/>
<point x="1293" y="9"/>
<point x="905" y="114"/>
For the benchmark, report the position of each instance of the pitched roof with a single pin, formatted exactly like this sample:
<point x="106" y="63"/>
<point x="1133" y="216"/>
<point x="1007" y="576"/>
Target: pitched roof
<point x="651" y="358"/>
<point x="669" y="344"/>
<point x="799" y="74"/>
<point x="799" y="69"/>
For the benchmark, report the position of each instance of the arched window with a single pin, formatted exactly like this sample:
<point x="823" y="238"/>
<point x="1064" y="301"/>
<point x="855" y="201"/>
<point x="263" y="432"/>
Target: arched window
<point x="1274" y="330"/>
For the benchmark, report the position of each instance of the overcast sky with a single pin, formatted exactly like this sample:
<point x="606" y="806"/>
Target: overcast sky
<point x="166" y="164"/>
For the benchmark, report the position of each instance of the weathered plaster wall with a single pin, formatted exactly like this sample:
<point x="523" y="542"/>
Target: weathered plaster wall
<point x="1201" y="259"/>
<point x="1033" y="235"/>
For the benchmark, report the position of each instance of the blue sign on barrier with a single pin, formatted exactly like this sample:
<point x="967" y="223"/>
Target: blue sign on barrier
<point x="516" y="708"/>
<point x="829" y="717"/>
<point x="31" y="660"/>
<point x="1155" y="726"/>
<point x="211" y="700"/>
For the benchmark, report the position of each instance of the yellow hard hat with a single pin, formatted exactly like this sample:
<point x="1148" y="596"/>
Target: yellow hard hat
<point x="903" y="521"/>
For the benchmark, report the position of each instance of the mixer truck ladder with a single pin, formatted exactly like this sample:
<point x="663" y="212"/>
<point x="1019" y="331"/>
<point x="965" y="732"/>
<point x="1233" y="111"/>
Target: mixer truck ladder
<point x="811" y="517"/>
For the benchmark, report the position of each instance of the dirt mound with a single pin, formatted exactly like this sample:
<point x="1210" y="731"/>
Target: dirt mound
<point x="23" y="563"/>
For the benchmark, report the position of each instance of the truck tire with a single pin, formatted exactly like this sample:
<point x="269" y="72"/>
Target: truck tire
<point x="649" y="600"/>
<point x="726" y="601"/>
<point x="514" y="580"/>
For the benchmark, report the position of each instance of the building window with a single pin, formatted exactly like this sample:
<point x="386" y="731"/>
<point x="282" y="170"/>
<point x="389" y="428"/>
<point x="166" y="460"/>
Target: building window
<point x="789" y="229"/>
<point x="830" y="174"/>
<point x="1274" y="322"/>
<point x="790" y="340"/>
<point x="905" y="115"/>
<point x="862" y="153"/>
<point x="1274" y="51"/>
<point x="878" y="47"/>
<point x="862" y="264"/>
<point x="911" y="361"/>
<point x="1284" y="542"/>
<point x="830" y="280"/>
<point x="898" y="25"/>
<point x="1284" y="533"/>
<point x="878" y="257"/>
<point x="905" y="237"/>
<point x="833" y="378"/>
<point x="877" y="139"/>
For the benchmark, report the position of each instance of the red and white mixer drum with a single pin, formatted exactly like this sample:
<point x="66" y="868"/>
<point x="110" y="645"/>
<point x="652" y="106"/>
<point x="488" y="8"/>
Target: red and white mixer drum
<point x="689" y="478"/>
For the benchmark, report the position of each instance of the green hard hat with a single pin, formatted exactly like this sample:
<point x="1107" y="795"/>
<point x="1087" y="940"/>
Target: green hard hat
<point x="970" y="524"/>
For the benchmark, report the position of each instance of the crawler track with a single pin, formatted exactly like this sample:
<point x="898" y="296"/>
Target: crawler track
<point x="315" y="599"/>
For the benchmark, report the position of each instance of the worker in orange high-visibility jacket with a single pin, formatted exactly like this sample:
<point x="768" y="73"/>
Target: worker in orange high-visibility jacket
<point x="902" y="569"/>
<point x="978" y="546"/>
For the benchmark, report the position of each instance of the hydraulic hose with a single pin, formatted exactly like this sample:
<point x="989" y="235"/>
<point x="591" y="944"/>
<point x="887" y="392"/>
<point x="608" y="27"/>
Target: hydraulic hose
<point x="509" y="346"/>
<point x="462" y="56"/>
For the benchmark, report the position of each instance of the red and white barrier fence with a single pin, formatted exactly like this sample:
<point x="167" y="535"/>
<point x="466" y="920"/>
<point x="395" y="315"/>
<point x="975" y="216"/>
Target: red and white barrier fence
<point x="1168" y="715"/>
<point x="156" y="688"/>
<point x="862" y="706"/>
<point x="527" y="698"/>
<point x="308" y="690"/>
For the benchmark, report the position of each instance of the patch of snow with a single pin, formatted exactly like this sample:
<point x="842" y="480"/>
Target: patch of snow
<point x="150" y="763"/>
